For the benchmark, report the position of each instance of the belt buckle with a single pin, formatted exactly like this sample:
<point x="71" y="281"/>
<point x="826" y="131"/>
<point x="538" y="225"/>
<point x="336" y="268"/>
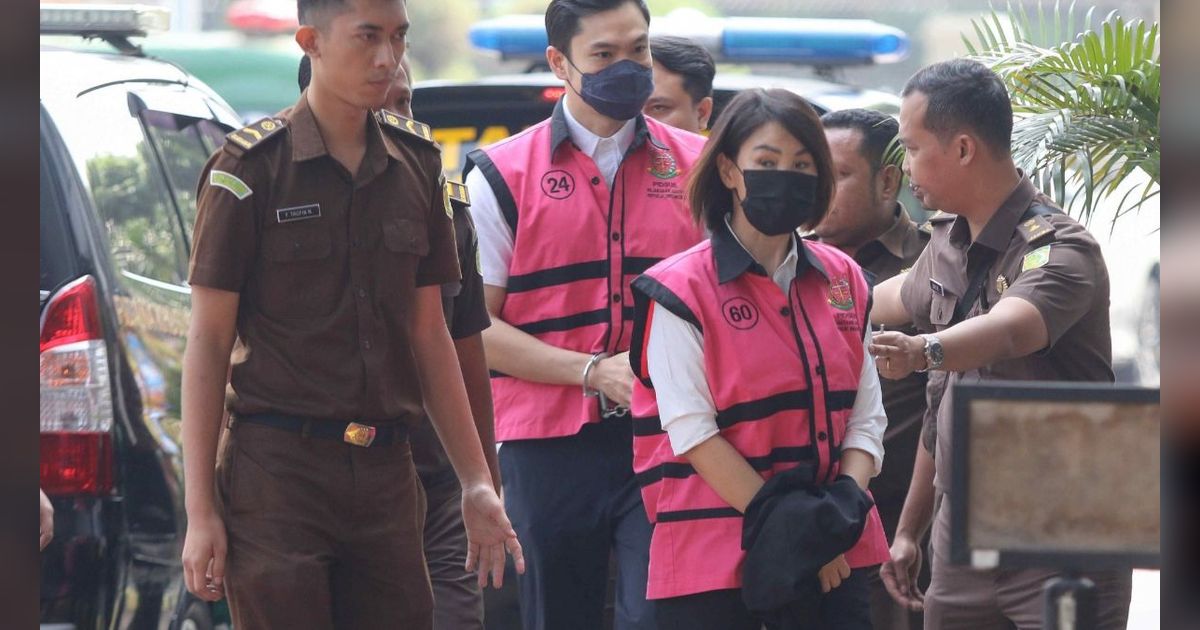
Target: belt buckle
<point x="359" y="434"/>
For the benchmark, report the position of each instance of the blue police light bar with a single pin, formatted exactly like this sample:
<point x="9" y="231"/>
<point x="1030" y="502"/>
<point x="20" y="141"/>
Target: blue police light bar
<point x="812" y="41"/>
<point x="511" y="36"/>
<point x="807" y="41"/>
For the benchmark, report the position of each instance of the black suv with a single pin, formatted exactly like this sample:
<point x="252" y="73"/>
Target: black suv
<point x="123" y="139"/>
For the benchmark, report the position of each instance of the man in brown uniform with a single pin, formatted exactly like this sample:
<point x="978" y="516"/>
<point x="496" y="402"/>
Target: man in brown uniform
<point x="868" y="223"/>
<point x="457" y="598"/>
<point x="1012" y="289"/>
<point x="322" y="238"/>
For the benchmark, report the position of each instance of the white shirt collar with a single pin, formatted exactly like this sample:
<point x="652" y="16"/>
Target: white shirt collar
<point x="588" y="141"/>
<point x="786" y="272"/>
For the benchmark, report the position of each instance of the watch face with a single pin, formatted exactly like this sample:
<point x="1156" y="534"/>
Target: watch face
<point x="935" y="353"/>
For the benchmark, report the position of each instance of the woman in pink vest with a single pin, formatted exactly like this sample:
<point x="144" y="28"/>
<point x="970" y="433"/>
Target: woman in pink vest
<point x="751" y="359"/>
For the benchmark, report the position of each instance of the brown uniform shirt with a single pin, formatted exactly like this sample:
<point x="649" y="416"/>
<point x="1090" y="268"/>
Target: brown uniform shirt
<point x="327" y="264"/>
<point x="466" y="315"/>
<point x="1052" y="262"/>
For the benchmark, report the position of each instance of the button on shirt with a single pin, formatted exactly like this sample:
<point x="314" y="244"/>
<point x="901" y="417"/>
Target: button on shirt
<point x="495" y="235"/>
<point x="327" y="264"/>
<point x="675" y="355"/>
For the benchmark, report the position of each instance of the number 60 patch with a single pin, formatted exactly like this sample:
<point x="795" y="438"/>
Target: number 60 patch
<point x="740" y="313"/>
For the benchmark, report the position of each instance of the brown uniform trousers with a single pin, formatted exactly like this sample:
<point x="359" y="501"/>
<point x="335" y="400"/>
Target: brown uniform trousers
<point x="316" y="547"/>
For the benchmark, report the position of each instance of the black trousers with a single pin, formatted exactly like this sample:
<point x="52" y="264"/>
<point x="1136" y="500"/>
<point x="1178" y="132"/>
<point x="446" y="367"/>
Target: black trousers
<point x="847" y="607"/>
<point x="575" y="503"/>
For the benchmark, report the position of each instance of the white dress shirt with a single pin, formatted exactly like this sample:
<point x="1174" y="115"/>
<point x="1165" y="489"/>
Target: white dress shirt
<point x="495" y="236"/>
<point x="675" y="354"/>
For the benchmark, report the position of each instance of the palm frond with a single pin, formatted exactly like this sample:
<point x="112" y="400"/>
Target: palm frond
<point x="1085" y="103"/>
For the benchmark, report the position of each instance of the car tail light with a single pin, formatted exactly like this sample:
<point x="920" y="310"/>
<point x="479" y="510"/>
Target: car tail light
<point x="76" y="397"/>
<point x="552" y="94"/>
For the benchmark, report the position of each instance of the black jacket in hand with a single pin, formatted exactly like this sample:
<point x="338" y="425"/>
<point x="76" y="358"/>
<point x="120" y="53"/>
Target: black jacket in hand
<point x="792" y="528"/>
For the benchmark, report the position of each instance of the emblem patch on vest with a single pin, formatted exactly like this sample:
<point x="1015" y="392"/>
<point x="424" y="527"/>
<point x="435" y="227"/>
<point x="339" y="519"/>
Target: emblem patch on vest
<point x="840" y="296"/>
<point x="662" y="163"/>
<point x="558" y="184"/>
<point x="740" y="313"/>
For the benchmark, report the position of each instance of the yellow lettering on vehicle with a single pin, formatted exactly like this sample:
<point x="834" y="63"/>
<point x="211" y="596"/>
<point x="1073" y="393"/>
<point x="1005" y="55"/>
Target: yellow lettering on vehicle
<point x="451" y="139"/>
<point x="495" y="133"/>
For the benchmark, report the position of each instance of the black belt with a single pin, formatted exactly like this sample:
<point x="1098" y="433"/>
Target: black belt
<point x="355" y="433"/>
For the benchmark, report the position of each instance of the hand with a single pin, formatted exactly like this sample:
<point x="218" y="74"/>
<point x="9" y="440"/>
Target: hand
<point x="489" y="534"/>
<point x="832" y="574"/>
<point x="46" y="533"/>
<point x="899" y="574"/>
<point x="897" y="355"/>
<point x="204" y="550"/>
<point x="614" y="377"/>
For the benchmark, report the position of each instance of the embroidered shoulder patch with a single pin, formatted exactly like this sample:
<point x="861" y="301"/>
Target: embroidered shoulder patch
<point x="1036" y="258"/>
<point x="229" y="182"/>
<point x="446" y="200"/>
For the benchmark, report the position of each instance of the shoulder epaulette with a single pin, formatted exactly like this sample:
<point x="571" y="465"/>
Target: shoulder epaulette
<point x="254" y="135"/>
<point x="408" y="127"/>
<point x="458" y="193"/>
<point x="1036" y="228"/>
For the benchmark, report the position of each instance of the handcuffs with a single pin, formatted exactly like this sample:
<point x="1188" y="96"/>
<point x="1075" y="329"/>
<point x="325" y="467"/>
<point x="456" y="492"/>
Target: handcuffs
<point x="607" y="410"/>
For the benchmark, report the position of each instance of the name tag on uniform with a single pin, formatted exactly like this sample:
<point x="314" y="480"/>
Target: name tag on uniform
<point x="298" y="213"/>
<point x="936" y="287"/>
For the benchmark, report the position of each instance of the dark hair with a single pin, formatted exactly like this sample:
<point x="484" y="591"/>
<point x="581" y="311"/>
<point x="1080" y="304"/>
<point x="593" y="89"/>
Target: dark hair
<point x="304" y="75"/>
<point x="877" y="129"/>
<point x="306" y="10"/>
<point x="710" y="200"/>
<point x="562" y="18"/>
<point x="965" y="94"/>
<point x="688" y="59"/>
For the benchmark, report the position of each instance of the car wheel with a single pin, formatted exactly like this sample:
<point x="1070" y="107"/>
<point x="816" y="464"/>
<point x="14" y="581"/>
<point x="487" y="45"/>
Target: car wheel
<point x="196" y="617"/>
<point x="1148" y="334"/>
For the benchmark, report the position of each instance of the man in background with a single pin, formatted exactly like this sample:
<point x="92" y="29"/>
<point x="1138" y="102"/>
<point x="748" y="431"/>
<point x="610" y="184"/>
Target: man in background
<point x="683" y="79"/>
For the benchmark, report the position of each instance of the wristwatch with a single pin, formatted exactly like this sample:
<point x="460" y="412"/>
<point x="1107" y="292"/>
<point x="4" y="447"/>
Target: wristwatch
<point x="934" y="355"/>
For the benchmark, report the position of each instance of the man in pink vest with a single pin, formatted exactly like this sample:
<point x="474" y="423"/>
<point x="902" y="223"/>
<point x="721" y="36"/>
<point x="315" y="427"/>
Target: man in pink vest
<point x="569" y="212"/>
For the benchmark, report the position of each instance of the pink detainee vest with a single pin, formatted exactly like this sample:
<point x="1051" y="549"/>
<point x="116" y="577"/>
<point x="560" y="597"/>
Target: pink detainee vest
<point x="783" y="371"/>
<point x="577" y="247"/>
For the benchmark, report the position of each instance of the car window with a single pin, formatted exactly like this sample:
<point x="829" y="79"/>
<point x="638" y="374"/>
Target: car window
<point x="127" y="185"/>
<point x="184" y="144"/>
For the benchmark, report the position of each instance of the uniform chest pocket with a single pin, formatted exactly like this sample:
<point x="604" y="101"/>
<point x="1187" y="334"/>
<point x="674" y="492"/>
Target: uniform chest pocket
<point x="941" y="309"/>
<point x="297" y="279"/>
<point x="405" y="241"/>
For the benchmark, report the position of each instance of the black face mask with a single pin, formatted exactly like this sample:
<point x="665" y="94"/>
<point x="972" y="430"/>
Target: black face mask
<point x="618" y="91"/>
<point x="778" y="202"/>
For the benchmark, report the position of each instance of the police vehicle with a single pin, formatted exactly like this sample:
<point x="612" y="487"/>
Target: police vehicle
<point x="123" y="139"/>
<point x="467" y="114"/>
